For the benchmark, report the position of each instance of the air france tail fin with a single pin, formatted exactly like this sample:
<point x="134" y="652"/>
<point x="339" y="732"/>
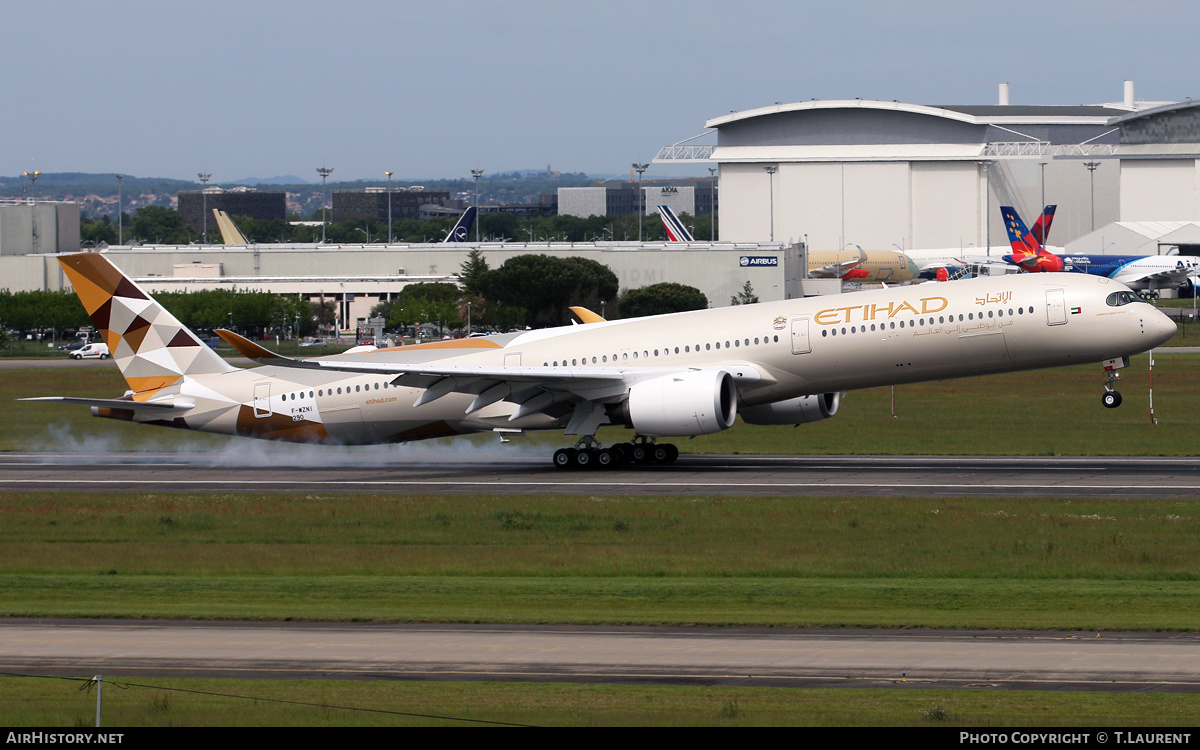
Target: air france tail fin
<point x="461" y="231"/>
<point x="1041" y="227"/>
<point x="150" y="346"/>
<point x="676" y="231"/>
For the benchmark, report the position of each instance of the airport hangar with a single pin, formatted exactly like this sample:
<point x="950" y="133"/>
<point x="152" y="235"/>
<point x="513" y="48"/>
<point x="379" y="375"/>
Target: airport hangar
<point x="899" y="176"/>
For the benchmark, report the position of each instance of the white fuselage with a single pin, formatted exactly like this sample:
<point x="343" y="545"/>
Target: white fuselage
<point x="775" y="351"/>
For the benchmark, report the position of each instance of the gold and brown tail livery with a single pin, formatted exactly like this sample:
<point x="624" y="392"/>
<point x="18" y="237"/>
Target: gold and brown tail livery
<point x="152" y="349"/>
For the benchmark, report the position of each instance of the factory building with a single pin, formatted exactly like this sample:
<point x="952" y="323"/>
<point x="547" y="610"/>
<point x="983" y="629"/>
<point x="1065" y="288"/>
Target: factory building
<point x="694" y="197"/>
<point x="28" y="227"/>
<point x="903" y="176"/>
<point x="238" y="201"/>
<point x="372" y="203"/>
<point x="357" y="277"/>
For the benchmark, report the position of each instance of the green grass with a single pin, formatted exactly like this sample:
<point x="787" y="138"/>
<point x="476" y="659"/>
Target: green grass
<point x="161" y="702"/>
<point x="886" y="562"/>
<point x="1046" y="412"/>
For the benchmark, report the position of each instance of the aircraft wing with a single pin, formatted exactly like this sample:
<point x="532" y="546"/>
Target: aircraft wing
<point x="552" y="390"/>
<point x="1178" y="276"/>
<point x="835" y="270"/>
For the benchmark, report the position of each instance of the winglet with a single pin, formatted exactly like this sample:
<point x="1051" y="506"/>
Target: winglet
<point x="586" y="316"/>
<point x="249" y="349"/>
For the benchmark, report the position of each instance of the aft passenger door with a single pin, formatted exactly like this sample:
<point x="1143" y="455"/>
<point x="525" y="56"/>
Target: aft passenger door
<point x="800" y="342"/>
<point x="262" y="400"/>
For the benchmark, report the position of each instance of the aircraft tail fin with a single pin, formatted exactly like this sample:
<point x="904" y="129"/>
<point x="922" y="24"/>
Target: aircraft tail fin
<point x="676" y="231"/>
<point x="1025" y="246"/>
<point x="151" y="347"/>
<point x="461" y="231"/>
<point x="1041" y="228"/>
<point x="230" y="234"/>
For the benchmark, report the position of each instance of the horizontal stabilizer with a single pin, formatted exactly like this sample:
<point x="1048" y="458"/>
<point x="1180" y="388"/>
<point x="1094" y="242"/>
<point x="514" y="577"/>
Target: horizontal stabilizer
<point x="586" y="316"/>
<point x="251" y="350"/>
<point x="149" y="407"/>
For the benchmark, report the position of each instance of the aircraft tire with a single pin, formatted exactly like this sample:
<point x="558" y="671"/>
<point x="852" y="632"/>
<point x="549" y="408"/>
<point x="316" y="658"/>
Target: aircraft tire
<point x="606" y="458"/>
<point x="672" y="453"/>
<point x="1111" y="399"/>
<point x="640" y="454"/>
<point x="660" y="453"/>
<point x="585" y="459"/>
<point x="564" y="458"/>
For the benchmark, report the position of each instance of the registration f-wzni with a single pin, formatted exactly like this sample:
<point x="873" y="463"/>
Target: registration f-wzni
<point x="678" y="375"/>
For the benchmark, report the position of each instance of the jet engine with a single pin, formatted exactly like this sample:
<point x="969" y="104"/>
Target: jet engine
<point x="693" y="402"/>
<point x="793" y="410"/>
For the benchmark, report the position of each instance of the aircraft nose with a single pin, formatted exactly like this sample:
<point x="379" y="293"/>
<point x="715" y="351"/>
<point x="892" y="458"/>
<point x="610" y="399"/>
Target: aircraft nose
<point x="1158" y="327"/>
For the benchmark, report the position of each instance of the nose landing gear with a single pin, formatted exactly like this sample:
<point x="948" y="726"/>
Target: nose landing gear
<point x="1111" y="399"/>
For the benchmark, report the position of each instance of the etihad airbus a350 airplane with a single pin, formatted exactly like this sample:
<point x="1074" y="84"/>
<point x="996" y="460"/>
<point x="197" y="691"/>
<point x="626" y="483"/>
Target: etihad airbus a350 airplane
<point x="677" y="375"/>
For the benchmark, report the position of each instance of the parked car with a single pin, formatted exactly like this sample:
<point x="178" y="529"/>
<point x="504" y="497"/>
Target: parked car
<point x="96" y="350"/>
<point x="73" y="346"/>
<point x="313" y="342"/>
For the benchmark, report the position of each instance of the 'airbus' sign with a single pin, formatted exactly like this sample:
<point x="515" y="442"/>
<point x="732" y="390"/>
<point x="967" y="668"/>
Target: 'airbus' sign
<point x="750" y="261"/>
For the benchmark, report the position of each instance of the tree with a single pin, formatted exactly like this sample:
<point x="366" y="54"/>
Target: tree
<point x="745" y="297"/>
<point x="659" y="299"/>
<point x="159" y="224"/>
<point x="545" y="286"/>
<point x="472" y="271"/>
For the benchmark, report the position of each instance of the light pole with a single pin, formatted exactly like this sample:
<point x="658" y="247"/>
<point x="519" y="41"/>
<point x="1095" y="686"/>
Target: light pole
<point x="204" y="178"/>
<point x="33" y="176"/>
<point x="640" y="169"/>
<point x="987" y="207"/>
<point x="1043" y="206"/>
<point x="324" y="172"/>
<point x="477" y="173"/>
<point x="1091" y="168"/>
<point x="120" y="228"/>
<point x="712" y="204"/>
<point x="389" y="176"/>
<point x="771" y="170"/>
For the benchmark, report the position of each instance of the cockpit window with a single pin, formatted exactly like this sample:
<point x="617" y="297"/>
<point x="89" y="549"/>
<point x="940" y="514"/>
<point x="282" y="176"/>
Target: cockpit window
<point x="1116" y="299"/>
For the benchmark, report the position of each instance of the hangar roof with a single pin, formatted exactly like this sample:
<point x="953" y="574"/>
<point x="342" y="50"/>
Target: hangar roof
<point x="972" y="114"/>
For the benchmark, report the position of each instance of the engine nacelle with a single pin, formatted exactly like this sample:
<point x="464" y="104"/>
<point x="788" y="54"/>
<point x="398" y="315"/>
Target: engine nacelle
<point x="793" y="410"/>
<point x="695" y="402"/>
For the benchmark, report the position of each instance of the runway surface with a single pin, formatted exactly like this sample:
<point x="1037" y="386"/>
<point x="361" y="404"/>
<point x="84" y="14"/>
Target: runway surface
<point x="1125" y="662"/>
<point x="315" y="469"/>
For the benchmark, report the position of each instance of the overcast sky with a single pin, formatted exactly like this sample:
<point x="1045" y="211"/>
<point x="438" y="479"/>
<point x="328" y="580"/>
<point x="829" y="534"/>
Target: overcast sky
<point x="244" y="88"/>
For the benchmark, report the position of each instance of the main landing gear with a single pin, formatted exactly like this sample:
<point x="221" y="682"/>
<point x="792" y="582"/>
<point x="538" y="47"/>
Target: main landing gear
<point x="1111" y="398"/>
<point x="587" y="454"/>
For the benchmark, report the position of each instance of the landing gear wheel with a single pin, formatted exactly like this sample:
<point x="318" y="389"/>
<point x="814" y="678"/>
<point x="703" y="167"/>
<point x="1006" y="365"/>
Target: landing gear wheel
<point x="1111" y="399"/>
<point x="585" y="459"/>
<point x="640" y="453"/>
<point x="606" y="458"/>
<point x="564" y="458"/>
<point x="664" y="453"/>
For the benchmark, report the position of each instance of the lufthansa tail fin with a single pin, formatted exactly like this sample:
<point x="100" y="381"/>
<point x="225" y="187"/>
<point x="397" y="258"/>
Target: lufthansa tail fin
<point x="676" y="231"/>
<point x="461" y="231"/>
<point x="151" y="347"/>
